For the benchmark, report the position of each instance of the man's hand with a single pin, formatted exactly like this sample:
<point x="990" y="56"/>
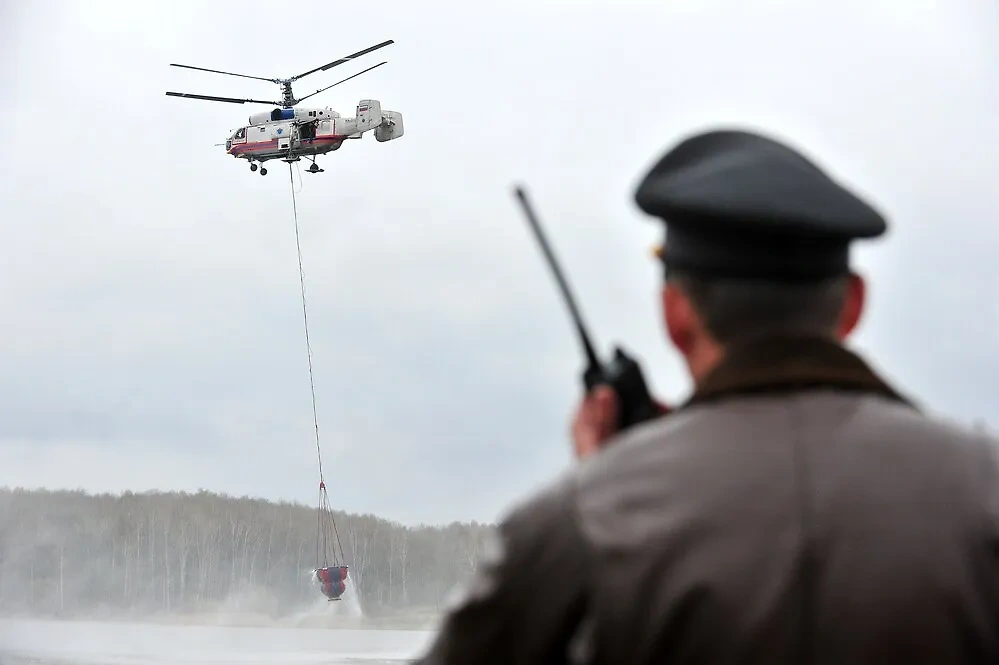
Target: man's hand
<point x="596" y="420"/>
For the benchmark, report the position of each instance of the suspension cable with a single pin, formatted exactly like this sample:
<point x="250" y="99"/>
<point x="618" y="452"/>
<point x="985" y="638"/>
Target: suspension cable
<point x="323" y="498"/>
<point x="305" y="316"/>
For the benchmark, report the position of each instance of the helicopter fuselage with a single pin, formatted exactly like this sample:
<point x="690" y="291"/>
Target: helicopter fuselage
<point x="295" y="133"/>
<point x="274" y="140"/>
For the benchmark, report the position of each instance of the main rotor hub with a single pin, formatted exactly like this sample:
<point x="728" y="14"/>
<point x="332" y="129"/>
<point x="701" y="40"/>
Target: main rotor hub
<point x="287" y="96"/>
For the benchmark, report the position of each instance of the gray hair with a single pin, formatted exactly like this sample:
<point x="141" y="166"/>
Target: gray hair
<point x="737" y="309"/>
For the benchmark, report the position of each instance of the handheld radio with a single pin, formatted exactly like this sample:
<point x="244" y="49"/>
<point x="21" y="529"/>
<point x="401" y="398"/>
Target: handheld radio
<point x="622" y="374"/>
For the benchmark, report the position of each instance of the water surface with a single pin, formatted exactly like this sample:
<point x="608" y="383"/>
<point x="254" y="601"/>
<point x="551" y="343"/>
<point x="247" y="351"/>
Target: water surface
<point x="39" y="642"/>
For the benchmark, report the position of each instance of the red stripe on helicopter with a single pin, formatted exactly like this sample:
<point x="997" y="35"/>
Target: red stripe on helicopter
<point x="258" y="145"/>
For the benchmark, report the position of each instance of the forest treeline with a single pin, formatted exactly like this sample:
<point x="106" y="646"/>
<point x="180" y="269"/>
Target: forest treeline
<point x="74" y="553"/>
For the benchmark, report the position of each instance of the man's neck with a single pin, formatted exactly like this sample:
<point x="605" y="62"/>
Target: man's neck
<point x="703" y="358"/>
<point x="784" y="362"/>
<point x="707" y="354"/>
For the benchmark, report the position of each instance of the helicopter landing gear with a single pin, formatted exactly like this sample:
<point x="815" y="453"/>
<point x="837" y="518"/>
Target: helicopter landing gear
<point x="263" y="171"/>
<point x="253" y="167"/>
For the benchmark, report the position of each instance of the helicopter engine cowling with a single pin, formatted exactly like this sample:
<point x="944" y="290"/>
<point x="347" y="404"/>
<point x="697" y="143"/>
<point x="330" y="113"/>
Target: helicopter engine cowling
<point x="272" y="116"/>
<point x="302" y="115"/>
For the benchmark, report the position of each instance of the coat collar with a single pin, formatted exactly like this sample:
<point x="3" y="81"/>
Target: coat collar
<point x="781" y="364"/>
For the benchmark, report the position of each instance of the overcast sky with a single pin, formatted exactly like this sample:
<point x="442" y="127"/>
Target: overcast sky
<point x="152" y="331"/>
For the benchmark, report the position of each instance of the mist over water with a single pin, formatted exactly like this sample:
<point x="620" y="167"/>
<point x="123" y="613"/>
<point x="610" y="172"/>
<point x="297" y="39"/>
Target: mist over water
<point x="39" y="642"/>
<point x="242" y="629"/>
<point x="329" y="632"/>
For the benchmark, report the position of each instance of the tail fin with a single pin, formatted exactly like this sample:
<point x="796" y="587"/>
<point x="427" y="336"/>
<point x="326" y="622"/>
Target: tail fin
<point x="391" y="127"/>
<point x="369" y="114"/>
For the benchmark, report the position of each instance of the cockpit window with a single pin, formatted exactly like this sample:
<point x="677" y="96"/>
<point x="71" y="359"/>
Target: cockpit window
<point x="240" y="133"/>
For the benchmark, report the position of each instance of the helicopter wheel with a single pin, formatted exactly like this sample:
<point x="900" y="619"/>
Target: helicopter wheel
<point x="263" y="171"/>
<point x="253" y="167"/>
<point x="314" y="168"/>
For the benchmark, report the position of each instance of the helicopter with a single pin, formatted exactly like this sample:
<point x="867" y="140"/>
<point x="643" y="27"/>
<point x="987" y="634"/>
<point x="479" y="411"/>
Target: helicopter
<point x="290" y="133"/>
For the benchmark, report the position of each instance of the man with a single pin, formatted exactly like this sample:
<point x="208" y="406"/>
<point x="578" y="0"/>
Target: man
<point x="796" y="509"/>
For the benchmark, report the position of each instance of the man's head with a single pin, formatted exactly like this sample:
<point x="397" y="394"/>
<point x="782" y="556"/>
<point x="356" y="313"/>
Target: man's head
<point x="757" y="244"/>
<point x="704" y="315"/>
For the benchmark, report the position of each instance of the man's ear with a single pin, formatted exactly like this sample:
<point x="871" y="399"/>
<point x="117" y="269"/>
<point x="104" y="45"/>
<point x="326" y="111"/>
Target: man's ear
<point x="678" y="317"/>
<point x="853" y="306"/>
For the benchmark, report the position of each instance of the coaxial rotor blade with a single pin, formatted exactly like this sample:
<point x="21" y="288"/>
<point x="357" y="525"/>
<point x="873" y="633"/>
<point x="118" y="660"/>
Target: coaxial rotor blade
<point x="218" y="71"/>
<point x="344" y="59"/>
<point x="342" y="80"/>
<point x="231" y="100"/>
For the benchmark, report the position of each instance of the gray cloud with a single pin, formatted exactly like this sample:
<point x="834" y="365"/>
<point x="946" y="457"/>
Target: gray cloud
<point x="152" y="329"/>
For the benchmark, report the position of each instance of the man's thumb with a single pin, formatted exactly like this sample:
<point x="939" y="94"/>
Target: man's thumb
<point x="606" y="402"/>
